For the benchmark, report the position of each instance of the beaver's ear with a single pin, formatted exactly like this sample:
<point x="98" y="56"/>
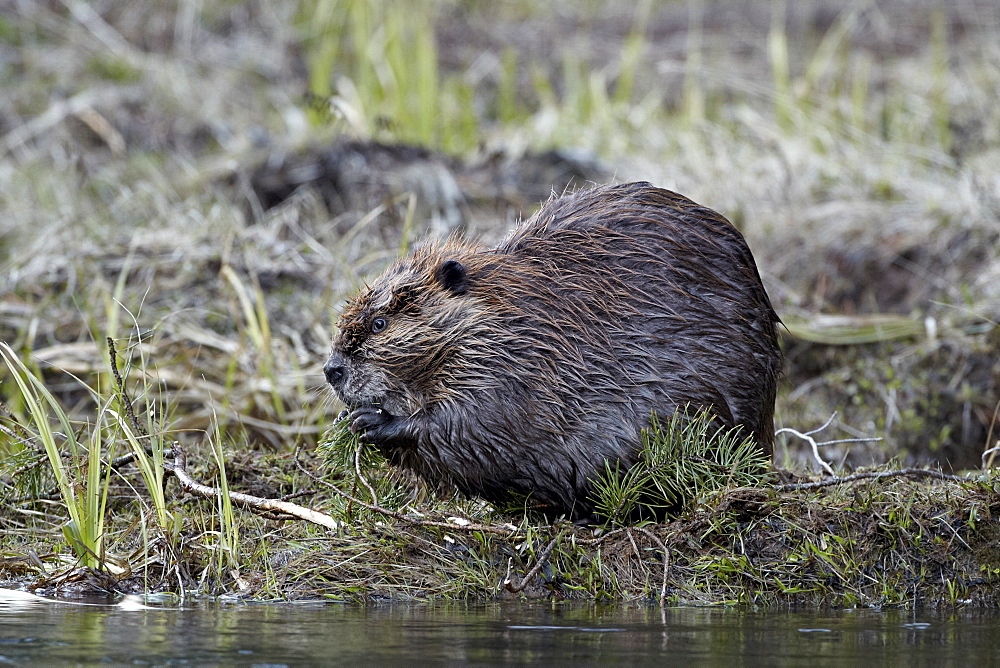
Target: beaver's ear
<point x="453" y="277"/>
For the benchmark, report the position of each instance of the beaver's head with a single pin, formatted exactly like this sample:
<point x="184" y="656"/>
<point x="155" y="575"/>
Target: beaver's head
<point x="404" y="342"/>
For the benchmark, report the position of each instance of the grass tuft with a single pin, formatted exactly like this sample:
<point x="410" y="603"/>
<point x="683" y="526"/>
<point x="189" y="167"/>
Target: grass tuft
<point x="682" y="461"/>
<point x="79" y="474"/>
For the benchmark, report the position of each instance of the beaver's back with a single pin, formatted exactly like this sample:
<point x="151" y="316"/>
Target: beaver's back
<point x="548" y="354"/>
<point x="661" y="294"/>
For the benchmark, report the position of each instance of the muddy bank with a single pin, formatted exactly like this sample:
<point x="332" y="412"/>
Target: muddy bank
<point x="882" y="540"/>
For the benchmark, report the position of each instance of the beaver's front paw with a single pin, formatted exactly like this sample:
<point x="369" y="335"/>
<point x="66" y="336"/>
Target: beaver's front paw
<point x="376" y="426"/>
<point x="367" y="418"/>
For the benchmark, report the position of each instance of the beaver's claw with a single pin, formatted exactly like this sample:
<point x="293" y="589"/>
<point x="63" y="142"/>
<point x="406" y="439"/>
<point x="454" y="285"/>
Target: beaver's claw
<point x="376" y="426"/>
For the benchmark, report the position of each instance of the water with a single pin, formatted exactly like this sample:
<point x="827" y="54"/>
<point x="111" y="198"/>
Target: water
<point x="35" y="632"/>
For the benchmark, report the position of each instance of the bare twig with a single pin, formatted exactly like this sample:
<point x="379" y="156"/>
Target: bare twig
<point x="636" y="550"/>
<point x="666" y="562"/>
<point x="815" y="446"/>
<point x="361" y="476"/>
<point x="123" y="396"/>
<point x="542" y="558"/>
<point x="989" y="455"/>
<point x="992" y="452"/>
<point x="808" y="436"/>
<point x="17" y="430"/>
<point x="600" y="539"/>
<point x="870" y="475"/>
<point x="247" y="500"/>
<point x="503" y="530"/>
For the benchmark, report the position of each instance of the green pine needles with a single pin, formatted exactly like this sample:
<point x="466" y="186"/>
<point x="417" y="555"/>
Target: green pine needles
<point x="683" y="460"/>
<point x="362" y="466"/>
<point x="344" y="452"/>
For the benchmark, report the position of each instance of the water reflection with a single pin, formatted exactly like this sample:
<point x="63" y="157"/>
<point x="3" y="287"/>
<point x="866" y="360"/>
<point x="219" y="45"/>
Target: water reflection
<point x="33" y="631"/>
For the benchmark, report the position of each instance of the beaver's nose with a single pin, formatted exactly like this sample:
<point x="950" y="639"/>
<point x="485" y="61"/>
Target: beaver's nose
<point x="335" y="371"/>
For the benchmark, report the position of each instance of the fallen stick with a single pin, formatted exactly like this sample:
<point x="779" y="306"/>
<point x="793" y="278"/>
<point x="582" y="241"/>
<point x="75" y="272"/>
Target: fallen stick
<point x="246" y="500"/>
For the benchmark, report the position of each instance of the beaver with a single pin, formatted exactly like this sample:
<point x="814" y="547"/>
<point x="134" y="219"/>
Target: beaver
<point x="518" y="371"/>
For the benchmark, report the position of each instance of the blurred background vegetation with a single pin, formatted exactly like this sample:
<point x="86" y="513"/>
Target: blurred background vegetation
<point x="205" y="181"/>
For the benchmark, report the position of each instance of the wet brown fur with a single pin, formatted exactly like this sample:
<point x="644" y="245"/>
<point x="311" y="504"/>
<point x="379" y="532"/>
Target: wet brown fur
<point x="519" y="370"/>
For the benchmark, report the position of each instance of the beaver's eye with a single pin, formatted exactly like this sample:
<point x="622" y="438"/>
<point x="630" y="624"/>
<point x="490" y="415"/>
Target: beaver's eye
<point x="378" y="324"/>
